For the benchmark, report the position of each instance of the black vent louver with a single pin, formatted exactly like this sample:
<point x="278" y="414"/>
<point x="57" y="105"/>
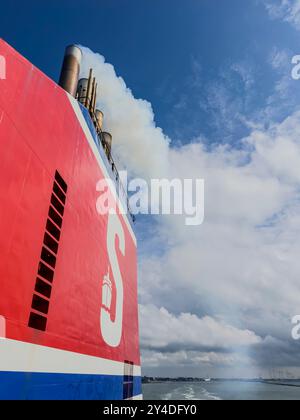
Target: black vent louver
<point x="47" y="264"/>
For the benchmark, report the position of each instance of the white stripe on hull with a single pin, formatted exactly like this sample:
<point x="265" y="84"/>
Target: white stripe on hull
<point x="136" y="398"/>
<point x="18" y="356"/>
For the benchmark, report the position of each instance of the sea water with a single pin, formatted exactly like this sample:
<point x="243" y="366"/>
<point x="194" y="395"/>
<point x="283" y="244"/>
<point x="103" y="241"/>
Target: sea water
<point x="221" y="390"/>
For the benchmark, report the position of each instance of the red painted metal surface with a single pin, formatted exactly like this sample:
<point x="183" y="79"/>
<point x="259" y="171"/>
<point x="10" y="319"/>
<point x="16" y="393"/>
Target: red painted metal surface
<point x="39" y="134"/>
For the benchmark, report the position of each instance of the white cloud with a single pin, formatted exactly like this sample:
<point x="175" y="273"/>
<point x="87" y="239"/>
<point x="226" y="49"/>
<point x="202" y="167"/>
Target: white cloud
<point x="152" y="359"/>
<point x="236" y="278"/>
<point x="162" y="330"/>
<point x="280" y="59"/>
<point x="284" y="97"/>
<point x="227" y="100"/>
<point x="136" y="140"/>
<point x="288" y="10"/>
<point x="242" y="264"/>
<point x="245" y="72"/>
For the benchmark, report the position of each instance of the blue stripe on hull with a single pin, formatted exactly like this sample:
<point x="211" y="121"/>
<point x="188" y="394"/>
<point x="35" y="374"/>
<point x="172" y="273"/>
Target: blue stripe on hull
<point x="58" y="386"/>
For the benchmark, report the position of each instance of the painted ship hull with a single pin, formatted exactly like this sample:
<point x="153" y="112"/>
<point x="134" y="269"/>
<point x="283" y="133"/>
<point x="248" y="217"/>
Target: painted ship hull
<point x="66" y="332"/>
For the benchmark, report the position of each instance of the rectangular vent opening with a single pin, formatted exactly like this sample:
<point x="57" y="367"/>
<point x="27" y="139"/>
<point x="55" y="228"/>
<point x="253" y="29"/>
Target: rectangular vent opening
<point x="55" y="217"/>
<point x="48" y="257"/>
<point x="40" y="304"/>
<point x="61" y="182"/>
<point x="53" y="230"/>
<point x="51" y="243"/>
<point x="57" y="204"/>
<point x="60" y="194"/>
<point x="47" y="263"/>
<point x="43" y="288"/>
<point x="45" y="272"/>
<point x="37" y="322"/>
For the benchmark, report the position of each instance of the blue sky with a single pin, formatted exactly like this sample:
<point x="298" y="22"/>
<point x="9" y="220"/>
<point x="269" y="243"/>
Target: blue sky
<point x="218" y="76"/>
<point x="167" y="52"/>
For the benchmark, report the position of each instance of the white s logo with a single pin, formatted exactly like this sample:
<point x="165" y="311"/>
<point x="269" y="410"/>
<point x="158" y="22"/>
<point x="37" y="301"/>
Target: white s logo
<point x="112" y="330"/>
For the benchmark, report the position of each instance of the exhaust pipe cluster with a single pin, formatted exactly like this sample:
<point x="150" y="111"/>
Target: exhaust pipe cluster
<point x="85" y="91"/>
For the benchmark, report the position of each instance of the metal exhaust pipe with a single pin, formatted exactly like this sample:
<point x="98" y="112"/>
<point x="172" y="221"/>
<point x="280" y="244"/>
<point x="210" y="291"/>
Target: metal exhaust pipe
<point x="70" y="70"/>
<point x="88" y="90"/>
<point x="92" y="95"/>
<point x="99" y="118"/>
<point x="95" y="99"/>
<point x="107" y="138"/>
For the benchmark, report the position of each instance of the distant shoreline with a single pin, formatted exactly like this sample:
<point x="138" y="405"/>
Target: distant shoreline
<point x="277" y="382"/>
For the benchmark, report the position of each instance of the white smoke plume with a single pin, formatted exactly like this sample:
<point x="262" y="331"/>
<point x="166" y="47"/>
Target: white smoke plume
<point x="138" y="143"/>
